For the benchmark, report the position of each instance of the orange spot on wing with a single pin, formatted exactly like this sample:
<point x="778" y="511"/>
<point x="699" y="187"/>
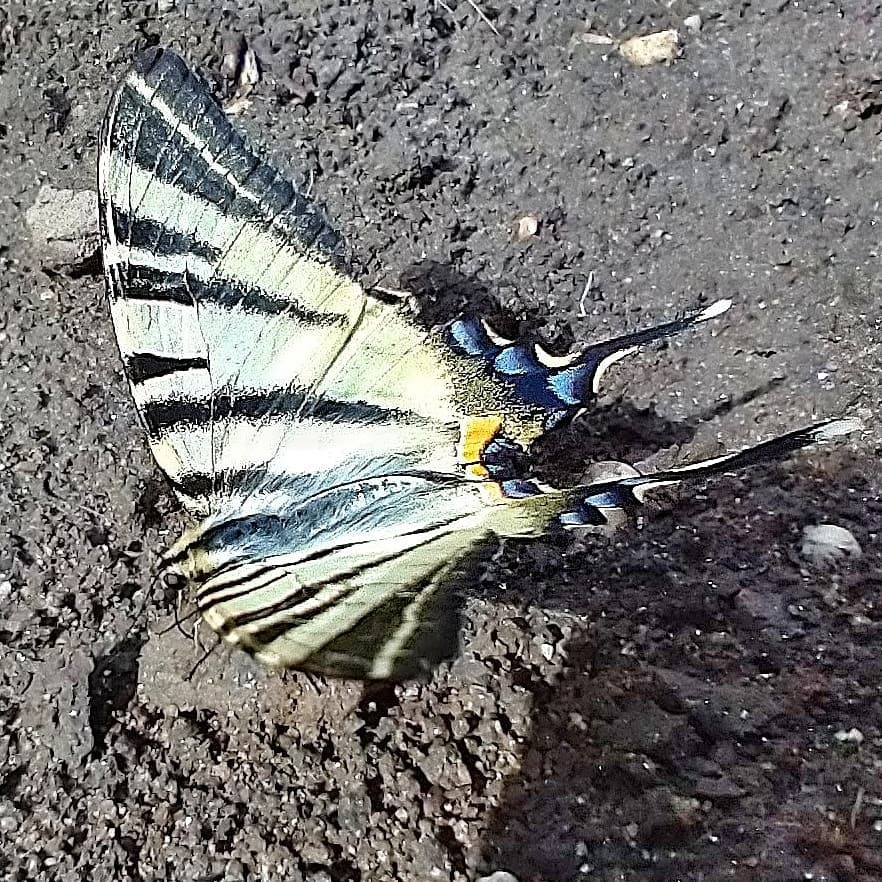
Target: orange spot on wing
<point x="475" y="434"/>
<point x="477" y="472"/>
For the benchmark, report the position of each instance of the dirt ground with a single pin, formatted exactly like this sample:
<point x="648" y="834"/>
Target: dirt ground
<point x="694" y="698"/>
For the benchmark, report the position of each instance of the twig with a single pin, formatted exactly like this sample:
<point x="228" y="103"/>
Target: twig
<point x="585" y="291"/>
<point x="856" y="808"/>
<point x="484" y="18"/>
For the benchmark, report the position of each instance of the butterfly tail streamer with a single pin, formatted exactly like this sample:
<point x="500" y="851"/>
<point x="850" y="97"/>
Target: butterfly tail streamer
<point x="599" y="503"/>
<point x="577" y="383"/>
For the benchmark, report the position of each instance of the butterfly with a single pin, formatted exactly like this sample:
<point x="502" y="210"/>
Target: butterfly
<point x="340" y="462"/>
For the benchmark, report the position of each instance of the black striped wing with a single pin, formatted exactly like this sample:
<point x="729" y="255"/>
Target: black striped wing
<point x="347" y="583"/>
<point x="346" y="460"/>
<point x="254" y="359"/>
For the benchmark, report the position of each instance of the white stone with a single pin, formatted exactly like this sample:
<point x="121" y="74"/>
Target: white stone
<point x="826" y="544"/>
<point x="850" y="736"/>
<point x="651" y="48"/>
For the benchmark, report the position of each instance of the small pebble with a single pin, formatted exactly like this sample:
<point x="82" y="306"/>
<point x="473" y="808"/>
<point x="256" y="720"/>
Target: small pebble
<point x="526" y="227"/>
<point x="850" y="736"/>
<point x="651" y="48"/>
<point x="825" y="544"/>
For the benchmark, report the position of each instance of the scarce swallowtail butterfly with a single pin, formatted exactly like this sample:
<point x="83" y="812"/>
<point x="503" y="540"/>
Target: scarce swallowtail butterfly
<point x="340" y="462"/>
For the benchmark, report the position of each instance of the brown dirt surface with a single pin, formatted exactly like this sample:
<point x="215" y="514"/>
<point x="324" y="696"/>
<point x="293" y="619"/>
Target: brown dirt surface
<point x="692" y="699"/>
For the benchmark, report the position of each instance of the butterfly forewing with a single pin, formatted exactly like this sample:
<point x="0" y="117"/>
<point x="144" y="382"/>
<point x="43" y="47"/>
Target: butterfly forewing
<point x="366" y="584"/>
<point x="235" y="320"/>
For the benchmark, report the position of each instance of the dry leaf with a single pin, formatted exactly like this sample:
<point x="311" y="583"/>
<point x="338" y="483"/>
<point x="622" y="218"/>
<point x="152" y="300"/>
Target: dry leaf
<point x="238" y="105"/>
<point x="249" y="74"/>
<point x="526" y="227"/>
<point x="651" y="48"/>
<point x="240" y="64"/>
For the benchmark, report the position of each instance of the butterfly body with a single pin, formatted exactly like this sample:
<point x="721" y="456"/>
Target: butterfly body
<point x="342" y="464"/>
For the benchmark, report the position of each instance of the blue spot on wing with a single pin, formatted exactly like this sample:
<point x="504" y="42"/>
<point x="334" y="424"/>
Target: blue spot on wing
<point x="518" y="489"/>
<point x="572" y="385"/>
<point x="604" y="499"/>
<point x="469" y="336"/>
<point x="558" y="391"/>
<point x="554" y="391"/>
<point x="589" y="509"/>
<point x="517" y="360"/>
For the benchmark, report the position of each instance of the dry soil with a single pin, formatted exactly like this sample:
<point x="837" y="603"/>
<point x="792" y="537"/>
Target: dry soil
<point x="690" y="699"/>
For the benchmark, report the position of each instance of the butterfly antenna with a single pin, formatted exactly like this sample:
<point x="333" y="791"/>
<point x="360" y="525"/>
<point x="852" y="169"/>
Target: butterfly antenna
<point x="179" y="622"/>
<point x="201" y="660"/>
